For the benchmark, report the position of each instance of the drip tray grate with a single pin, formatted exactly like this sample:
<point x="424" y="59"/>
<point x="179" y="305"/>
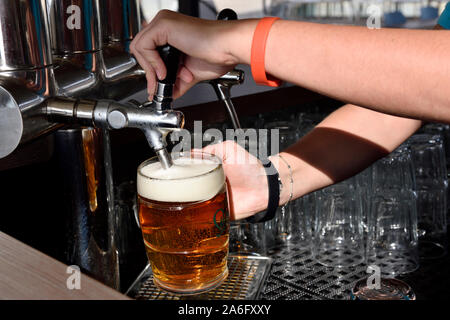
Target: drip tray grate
<point x="246" y="277"/>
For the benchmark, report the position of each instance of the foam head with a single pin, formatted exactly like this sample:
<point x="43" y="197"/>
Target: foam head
<point x="188" y="180"/>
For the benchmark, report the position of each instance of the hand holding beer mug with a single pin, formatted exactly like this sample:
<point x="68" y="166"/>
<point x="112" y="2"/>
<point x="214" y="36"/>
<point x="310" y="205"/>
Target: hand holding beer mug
<point x="183" y="212"/>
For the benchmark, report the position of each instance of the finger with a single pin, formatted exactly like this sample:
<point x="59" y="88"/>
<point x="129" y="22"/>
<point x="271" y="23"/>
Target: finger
<point x="215" y="149"/>
<point x="181" y="87"/>
<point x="146" y="45"/>
<point x="151" y="85"/>
<point x="149" y="74"/>
<point x="185" y="74"/>
<point x="154" y="59"/>
<point x="138" y="37"/>
<point x="224" y="150"/>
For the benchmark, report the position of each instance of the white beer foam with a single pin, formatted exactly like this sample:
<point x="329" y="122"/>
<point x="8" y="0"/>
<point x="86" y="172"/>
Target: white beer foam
<point x="189" y="179"/>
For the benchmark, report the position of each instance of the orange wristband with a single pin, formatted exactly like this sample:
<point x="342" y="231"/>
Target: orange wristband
<point x="257" y="59"/>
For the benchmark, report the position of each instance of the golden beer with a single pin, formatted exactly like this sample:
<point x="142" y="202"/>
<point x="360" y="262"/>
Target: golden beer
<point x="183" y="212"/>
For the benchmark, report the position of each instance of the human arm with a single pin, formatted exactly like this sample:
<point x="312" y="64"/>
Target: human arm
<point x="396" y="71"/>
<point x="346" y="142"/>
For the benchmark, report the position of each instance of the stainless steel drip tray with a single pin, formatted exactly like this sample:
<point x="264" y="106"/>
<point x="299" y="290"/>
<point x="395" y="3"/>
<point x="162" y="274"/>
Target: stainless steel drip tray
<point x="246" y="277"/>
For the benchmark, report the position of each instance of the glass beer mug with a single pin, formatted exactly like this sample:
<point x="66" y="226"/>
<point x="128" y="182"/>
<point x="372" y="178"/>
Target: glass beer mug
<point x="184" y="217"/>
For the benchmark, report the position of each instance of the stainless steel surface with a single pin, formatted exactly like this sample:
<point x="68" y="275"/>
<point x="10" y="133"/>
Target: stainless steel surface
<point x="24" y="35"/>
<point x="164" y="158"/>
<point x="246" y="278"/>
<point x="79" y="68"/>
<point x="76" y="38"/>
<point x="26" y="70"/>
<point x="121" y="20"/>
<point x="118" y="64"/>
<point x="10" y="123"/>
<point x="163" y="96"/>
<point x="109" y="114"/>
<point x="296" y="276"/>
<point x="222" y="87"/>
<point x="75" y="25"/>
<point x="30" y="103"/>
<point x="84" y="159"/>
<point x="78" y="74"/>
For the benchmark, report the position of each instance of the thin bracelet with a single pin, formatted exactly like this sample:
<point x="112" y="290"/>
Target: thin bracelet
<point x="292" y="180"/>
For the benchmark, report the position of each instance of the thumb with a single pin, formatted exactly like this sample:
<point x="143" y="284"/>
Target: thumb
<point x="184" y="82"/>
<point x="216" y="149"/>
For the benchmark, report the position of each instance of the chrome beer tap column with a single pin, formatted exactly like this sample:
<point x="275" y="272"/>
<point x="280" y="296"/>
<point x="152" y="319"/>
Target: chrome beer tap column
<point x="121" y="21"/>
<point x="108" y="114"/>
<point x="34" y="89"/>
<point x="222" y="86"/>
<point x="26" y="72"/>
<point x="77" y="43"/>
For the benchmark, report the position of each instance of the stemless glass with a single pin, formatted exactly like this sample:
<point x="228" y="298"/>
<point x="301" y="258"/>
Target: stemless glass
<point x="287" y="218"/>
<point x="392" y="216"/>
<point x="184" y="217"/>
<point x="338" y="230"/>
<point x="431" y="178"/>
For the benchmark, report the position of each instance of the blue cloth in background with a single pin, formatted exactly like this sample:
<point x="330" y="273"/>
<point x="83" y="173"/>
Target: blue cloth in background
<point x="444" y="19"/>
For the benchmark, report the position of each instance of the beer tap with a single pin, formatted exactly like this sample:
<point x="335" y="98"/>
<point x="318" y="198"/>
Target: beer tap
<point x="162" y="102"/>
<point x="156" y="119"/>
<point x="222" y="86"/>
<point x="108" y="114"/>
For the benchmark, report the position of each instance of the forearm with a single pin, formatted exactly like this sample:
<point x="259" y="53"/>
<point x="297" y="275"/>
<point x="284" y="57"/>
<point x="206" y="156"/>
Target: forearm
<point x="396" y="71"/>
<point x="345" y="143"/>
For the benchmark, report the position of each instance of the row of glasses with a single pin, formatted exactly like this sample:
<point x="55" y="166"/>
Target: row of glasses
<point x="316" y="10"/>
<point x="370" y="218"/>
<point x="293" y="223"/>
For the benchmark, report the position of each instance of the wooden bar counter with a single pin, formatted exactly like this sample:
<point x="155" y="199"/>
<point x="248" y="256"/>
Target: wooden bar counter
<point x="27" y="274"/>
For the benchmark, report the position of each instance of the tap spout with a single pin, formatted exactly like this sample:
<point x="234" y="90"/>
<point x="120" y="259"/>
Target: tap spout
<point x="156" y="124"/>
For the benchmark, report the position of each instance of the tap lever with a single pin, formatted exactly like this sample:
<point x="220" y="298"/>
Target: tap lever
<point x="227" y="14"/>
<point x="222" y="86"/>
<point x="171" y="58"/>
<point x="163" y="97"/>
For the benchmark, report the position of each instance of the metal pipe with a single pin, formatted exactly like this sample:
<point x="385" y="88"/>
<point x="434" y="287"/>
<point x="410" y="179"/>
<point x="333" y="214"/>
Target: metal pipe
<point x="222" y="88"/>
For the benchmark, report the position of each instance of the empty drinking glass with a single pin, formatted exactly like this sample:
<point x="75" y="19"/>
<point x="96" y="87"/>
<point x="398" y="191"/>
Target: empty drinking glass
<point x="392" y="217"/>
<point x="290" y="220"/>
<point x="338" y="228"/>
<point x="431" y="178"/>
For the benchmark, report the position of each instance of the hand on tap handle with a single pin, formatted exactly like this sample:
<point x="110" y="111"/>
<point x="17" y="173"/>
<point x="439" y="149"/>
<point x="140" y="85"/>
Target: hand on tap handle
<point x="206" y="54"/>
<point x="163" y="96"/>
<point x="171" y="58"/>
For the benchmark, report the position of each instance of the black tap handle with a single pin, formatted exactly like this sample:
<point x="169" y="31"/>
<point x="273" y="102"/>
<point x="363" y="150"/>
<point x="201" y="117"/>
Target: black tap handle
<point x="171" y="57"/>
<point x="227" y="14"/>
